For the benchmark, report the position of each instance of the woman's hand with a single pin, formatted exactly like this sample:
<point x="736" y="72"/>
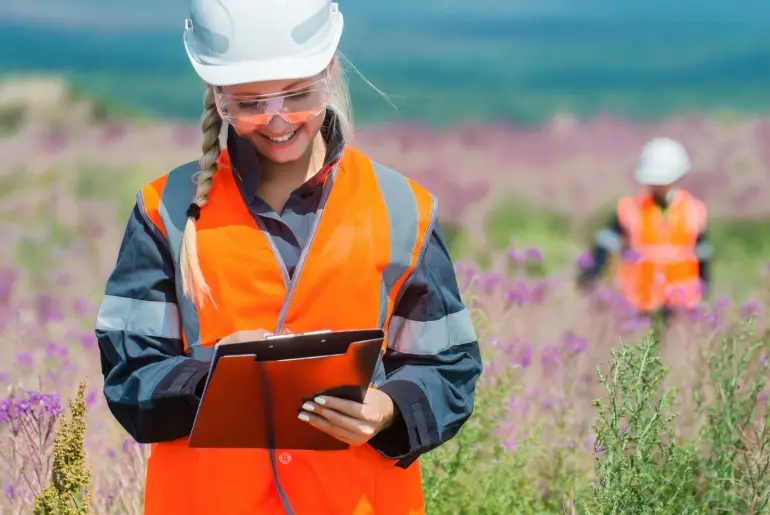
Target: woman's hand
<point x="245" y="336"/>
<point x="352" y="422"/>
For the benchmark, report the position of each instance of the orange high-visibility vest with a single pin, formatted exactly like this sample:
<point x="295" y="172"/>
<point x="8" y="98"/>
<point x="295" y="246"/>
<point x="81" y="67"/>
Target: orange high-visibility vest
<point x="372" y="226"/>
<point x="659" y="267"/>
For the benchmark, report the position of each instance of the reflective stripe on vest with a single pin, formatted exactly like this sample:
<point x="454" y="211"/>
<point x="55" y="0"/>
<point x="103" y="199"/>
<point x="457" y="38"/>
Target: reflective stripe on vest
<point x="371" y="231"/>
<point x="660" y="266"/>
<point x="662" y="253"/>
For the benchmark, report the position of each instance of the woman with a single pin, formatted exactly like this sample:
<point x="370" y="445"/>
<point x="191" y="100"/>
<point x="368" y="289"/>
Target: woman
<point x="286" y="229"/>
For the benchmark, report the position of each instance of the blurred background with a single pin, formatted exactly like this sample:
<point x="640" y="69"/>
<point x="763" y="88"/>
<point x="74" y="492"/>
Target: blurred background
<point x="524" y="117"/>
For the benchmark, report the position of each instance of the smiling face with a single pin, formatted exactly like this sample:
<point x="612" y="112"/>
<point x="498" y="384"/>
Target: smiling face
<point x="280" y="118"/>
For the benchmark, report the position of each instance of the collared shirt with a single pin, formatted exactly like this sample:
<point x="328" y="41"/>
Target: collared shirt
<point x="290" y="229"/>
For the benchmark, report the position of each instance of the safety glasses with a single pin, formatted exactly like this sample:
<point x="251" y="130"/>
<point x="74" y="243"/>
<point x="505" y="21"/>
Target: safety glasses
<point x="296" y="106"/>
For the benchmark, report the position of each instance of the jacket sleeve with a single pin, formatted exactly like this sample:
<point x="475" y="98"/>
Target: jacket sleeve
<point x="432" y="361"/>
<point x="151" y="387"/>
<point x="608" y="240"/>
<point x="704" y="251"/>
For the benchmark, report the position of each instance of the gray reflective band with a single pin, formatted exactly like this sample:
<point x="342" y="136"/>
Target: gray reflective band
<point x="403" y="221"/>
<point x="177" y="195"/>
<point x="201" y="353"/>
<point x="608" y="239"/>
<point x="432" y="337"/>
<point x="704" y="251"/>
<point x="148" y="318"/>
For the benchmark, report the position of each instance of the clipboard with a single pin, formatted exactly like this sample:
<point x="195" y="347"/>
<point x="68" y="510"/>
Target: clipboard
<point x="254" y="390"/>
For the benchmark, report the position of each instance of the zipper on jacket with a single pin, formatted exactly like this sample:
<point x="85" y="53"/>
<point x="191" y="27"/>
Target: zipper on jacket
<point x="303" y="255"/>
<point x="290" y="282"/>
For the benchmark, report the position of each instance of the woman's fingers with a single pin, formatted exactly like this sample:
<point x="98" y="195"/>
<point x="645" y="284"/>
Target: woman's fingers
<point x="351" y="408"/>
<point x="355" y="425"/>
<point x="340" y="433"/>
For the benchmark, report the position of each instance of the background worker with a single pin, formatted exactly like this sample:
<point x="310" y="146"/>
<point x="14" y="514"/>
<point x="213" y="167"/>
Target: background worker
<point x="660" y="236"/>
<point x="288" y="228"/>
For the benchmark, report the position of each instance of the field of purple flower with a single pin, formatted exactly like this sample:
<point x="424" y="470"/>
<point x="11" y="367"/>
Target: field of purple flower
<point x="522" y="203"/>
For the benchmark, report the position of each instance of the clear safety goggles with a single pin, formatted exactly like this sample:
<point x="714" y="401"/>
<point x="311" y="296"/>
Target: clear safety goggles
<point x="296" y="106"/>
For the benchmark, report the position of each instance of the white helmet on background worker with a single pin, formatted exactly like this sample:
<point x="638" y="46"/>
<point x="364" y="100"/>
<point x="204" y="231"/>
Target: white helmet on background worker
<point x="663" y="161"/>
<point x="240" y="41"/>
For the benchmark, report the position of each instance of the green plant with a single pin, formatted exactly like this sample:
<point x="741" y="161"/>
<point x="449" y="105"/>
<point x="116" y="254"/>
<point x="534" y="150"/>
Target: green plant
<point x="70" y="490"/>
<point x="640" y="467"/>
<point x="736" y="465"/>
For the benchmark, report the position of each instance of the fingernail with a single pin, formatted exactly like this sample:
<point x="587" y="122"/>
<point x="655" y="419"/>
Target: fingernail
<point x="308" y="406"/>
<point x="320" y="400"/>
<point x="368" y="430"/>
<point x="303" y="417"/>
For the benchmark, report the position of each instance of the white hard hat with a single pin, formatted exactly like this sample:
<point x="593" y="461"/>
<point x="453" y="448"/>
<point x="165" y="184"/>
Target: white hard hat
<point x="239" y="41"/>
<point x="663" y="162"/>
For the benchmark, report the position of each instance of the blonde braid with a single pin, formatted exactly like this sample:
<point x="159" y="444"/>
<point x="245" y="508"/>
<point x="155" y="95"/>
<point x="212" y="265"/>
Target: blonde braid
<point x="193" y="283"/>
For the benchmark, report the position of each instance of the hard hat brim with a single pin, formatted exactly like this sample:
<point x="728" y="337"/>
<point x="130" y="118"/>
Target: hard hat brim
<point x="298" y="67"/>
<point x="652" y="177"/>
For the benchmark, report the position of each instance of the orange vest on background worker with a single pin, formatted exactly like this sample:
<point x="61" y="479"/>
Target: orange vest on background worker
<point x="662" y="270"/>
<point x="342" y="285"/>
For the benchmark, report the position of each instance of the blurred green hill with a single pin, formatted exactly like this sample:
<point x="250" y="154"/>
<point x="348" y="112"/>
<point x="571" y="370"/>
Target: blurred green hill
<point x="441" y="62"/>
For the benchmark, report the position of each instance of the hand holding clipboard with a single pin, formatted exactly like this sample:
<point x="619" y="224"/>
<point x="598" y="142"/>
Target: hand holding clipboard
<point x="255" y="388"/>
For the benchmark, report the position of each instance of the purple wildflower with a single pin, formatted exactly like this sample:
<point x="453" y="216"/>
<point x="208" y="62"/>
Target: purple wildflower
<point x="517" y="294"/>
<point x="53" y="141"/>
<point x="467" y="272"/>
<point x="6" y="409"/>
<point x="81" y="306"/>
<point x="129" y="445"/>
<point x="9" y="491"/>
<point x="722" y="304"/>
<point x="584" y="261"/>
<point x="550" y="357"/>
<point x="750" y="308"/>
<point x="490" y="282"/>
<point x="524" y="358"/>
<point x="635" y="324"/>
<point x="47" y="309"/>
<point x="91" y="397"/>
<point x="510" y="444"/>
<point x="515" y="256"/>
<point x="25" y="358"/>
<point x="575" y="343"/>
<point x="88" y="340"/>
<point x="537" y="293"/>
<point x="49" y="403"/>
<point x="55" y="351"/>
<point x="533" y="255"/>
